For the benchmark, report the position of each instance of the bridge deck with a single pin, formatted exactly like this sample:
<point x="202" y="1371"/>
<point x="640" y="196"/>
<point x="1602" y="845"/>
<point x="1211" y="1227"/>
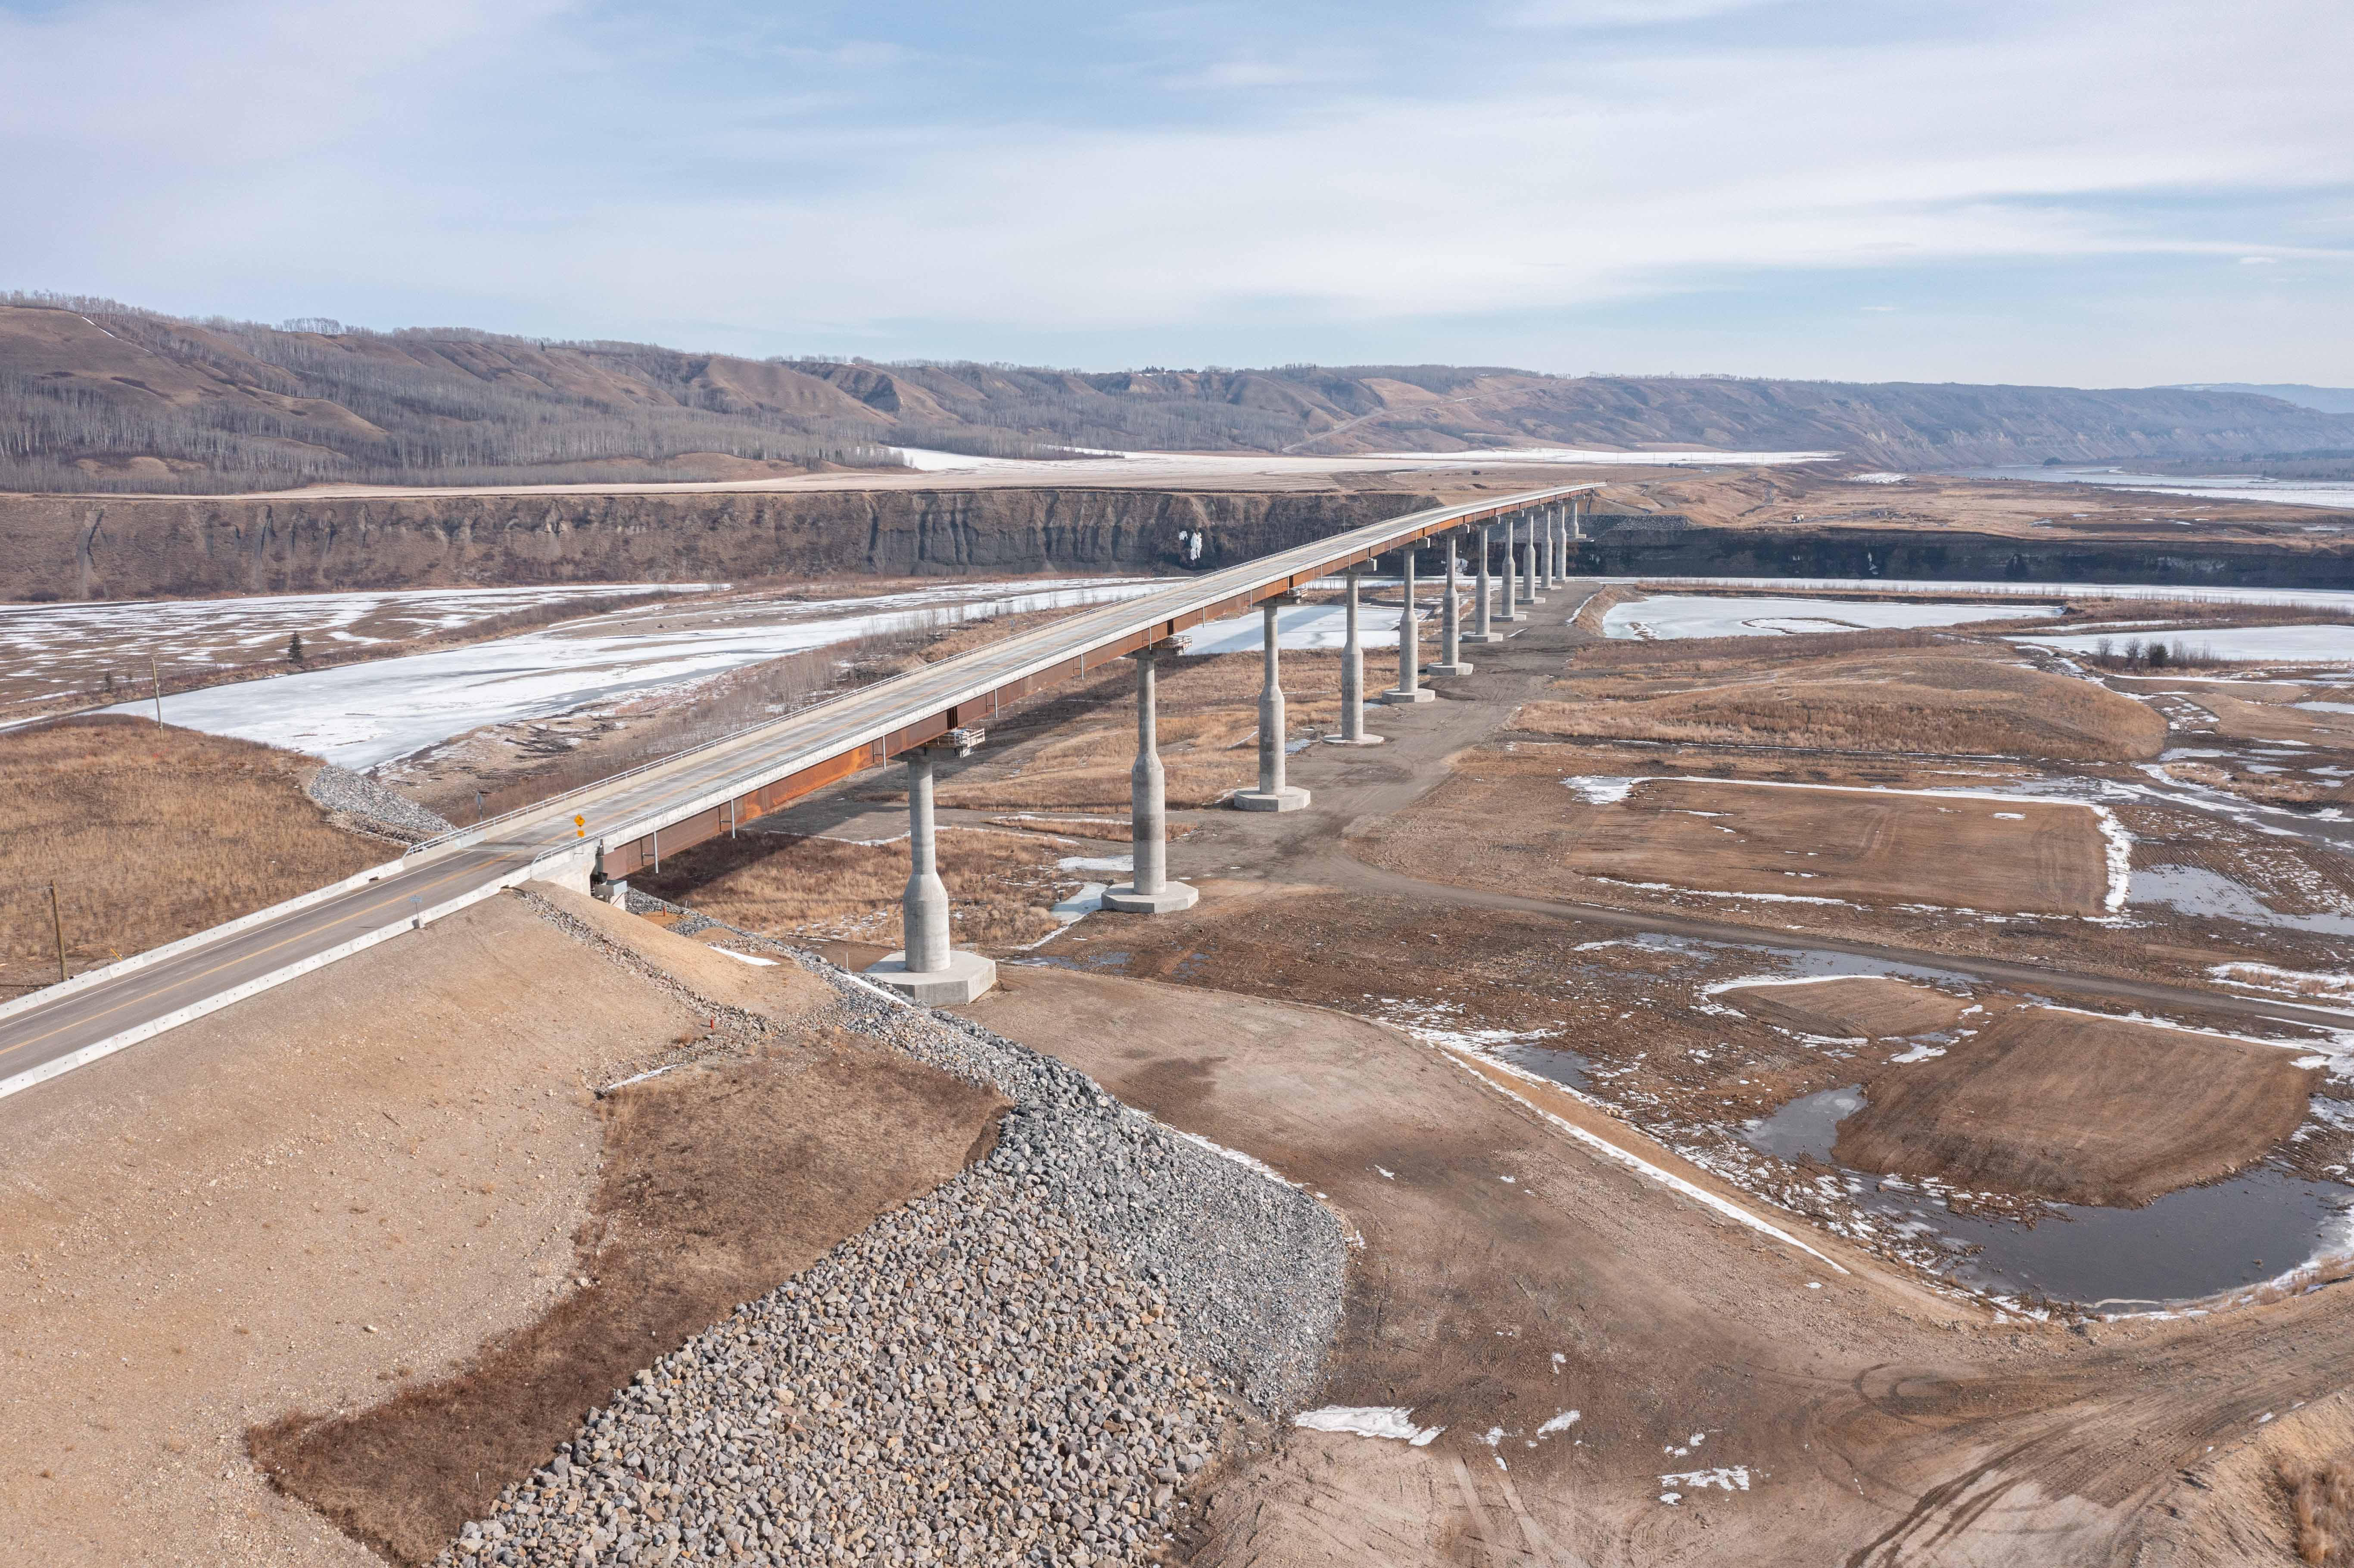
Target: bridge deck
<point x="667" y="805"/>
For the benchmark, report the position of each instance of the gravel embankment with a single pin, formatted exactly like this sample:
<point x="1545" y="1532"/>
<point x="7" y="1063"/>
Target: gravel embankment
<point x="372" y="807"/>
<point x="1025" y="1366"/>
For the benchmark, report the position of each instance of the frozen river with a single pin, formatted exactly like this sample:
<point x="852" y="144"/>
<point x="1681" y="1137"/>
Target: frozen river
<point x="360" y="715"/>
<point x="1669" y="616"/>
<point x="2335" y="494"/>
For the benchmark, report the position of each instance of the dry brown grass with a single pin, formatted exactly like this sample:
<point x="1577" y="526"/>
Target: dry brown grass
<point x="151" y="834"/>
<point x="2321" y="1501"/>
<point x="2272" y="789"/>
<point x="1076" y="828"/>
<point x="1002" y="886"/>
<point x="1953" y="700"/>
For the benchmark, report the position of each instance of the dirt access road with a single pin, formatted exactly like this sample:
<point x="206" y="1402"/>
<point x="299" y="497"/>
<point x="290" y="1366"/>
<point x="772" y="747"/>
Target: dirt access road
<point x="1799" y="1415"/>
<point x="1796" y="1414"/>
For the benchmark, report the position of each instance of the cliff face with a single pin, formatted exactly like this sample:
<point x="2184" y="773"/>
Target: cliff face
<point x="54" y="547"/>
<point x="1947" y="555"/>
<point x="70" y="548"/>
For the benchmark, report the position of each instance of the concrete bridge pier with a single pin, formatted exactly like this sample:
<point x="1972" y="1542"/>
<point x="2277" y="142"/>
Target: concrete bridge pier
<point x="1148" y="890"/>
<point x="1554" y="530"/>
<point x="1509" y="609"/>
<point x="1532" y="570"/>
<point x="1353" y="676"/>
<point x="928" y="971"/>
<point x="1450" y="623"/>
<point x="1409" y="688"/>
<point x="1272" y="794"/>
<point x="1482" y="608"/>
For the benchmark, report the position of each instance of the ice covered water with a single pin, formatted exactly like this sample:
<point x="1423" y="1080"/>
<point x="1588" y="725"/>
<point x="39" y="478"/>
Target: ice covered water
<point x="361" y="715"/>
<point x="1807" y="1126"/>
<point x="1670" y="617"/>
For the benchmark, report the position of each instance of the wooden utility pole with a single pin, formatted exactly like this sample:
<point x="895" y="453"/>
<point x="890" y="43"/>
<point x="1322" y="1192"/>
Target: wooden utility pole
<point x="156" y="676"/>
<point x="57" y="929"/>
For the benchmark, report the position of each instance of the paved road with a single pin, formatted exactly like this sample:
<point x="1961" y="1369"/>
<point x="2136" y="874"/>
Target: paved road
<point x="62" y="1025"/>
<point x="44" y="1029"/>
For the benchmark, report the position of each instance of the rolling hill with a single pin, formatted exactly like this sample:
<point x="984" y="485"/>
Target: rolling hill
<point x="96" y="396"/>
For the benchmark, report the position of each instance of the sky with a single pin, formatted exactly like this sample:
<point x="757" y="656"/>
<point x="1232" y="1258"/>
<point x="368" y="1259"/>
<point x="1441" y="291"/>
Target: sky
<point x="2072" y="192"/>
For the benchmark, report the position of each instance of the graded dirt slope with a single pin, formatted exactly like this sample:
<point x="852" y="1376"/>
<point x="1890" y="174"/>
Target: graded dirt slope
<point x="2081" y="1110"/>
<point x="1972" y="701"/>
<point x="1873" y="1007"/>
<point x="719" y="1181"/>
<point x="357" y="1181"/>
<point x="151" y="833"/>
<point x="1861" y="845"/>
<point x="1544" y="817"/>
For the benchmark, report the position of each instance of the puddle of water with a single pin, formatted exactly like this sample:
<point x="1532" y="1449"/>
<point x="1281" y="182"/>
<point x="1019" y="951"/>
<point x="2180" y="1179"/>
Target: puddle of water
<point x="2199" y="1241"/>
<point x="2194" y="1242"/>
<point x="1806" y="1126"/>
<point x="1566" y="1068"/>
<point x="2195" y="890"/>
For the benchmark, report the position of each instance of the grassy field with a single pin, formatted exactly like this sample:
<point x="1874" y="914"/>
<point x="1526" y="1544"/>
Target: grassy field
<point x="1948" y="698"/>
<point x="149" y="834"/>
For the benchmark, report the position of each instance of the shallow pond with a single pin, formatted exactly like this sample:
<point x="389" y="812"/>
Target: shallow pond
<point x="2197" y="1241"/>
<point x="1566" y="1068"/>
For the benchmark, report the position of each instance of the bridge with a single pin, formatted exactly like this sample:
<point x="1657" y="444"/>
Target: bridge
<point x="607" y="830"/>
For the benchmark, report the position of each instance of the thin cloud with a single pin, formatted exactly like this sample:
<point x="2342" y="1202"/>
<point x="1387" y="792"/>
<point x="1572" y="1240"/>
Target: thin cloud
<point x="1597" y="14"/>
<point x="1461" y="182"/>
<point x="1229" y="75"/>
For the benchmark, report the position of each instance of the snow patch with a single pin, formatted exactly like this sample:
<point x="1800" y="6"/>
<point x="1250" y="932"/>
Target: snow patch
<point x="1369" y="1421"/>
<point x="1730" y="1477"/>
<point x="1597" y="790"/>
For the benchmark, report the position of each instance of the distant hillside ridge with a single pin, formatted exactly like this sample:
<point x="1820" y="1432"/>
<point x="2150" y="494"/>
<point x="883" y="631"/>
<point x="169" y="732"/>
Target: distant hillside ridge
<point x="2329" y="400"/>
<point x="101" y="397"/>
